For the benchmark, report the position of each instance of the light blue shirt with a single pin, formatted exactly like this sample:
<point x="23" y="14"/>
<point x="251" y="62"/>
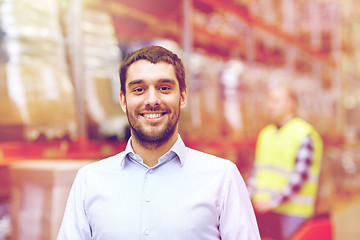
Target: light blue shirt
<point x="188" y="195"/>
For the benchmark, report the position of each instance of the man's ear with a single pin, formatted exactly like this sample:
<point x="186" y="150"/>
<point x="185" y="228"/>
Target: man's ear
<point x="183" y="98"/>
<point x="122" y="101"/>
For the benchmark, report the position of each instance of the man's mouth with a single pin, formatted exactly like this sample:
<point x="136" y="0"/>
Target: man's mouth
<point x="152" y="115"/>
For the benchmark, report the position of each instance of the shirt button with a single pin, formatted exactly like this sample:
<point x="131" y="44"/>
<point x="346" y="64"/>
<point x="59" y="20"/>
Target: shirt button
<point x="147" y="232"/>
<point x="148" y="199"/>
<point x="151" y="171"/>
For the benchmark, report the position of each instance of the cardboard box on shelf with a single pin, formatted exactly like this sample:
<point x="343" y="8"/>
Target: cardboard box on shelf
<point x="39" y="192"/>
<point x="37" y="98"/>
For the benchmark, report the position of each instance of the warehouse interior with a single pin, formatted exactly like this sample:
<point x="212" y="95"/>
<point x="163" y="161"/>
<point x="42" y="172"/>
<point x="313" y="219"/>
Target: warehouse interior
<point x="59" y="88"/>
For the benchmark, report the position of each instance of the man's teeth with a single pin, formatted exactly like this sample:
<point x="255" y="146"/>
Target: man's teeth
<point x="153" y="115"/>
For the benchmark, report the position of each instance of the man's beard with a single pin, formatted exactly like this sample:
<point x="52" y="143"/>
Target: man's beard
<point x="153" y="138"/>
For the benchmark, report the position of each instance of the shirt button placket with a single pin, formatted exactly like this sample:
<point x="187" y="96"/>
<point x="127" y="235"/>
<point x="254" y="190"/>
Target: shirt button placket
<point x="147" y="200"/>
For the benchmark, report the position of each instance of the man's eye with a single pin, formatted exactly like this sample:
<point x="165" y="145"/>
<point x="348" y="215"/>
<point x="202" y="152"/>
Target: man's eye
<point x="138" y="90"/>
<point x="165" y="88"/>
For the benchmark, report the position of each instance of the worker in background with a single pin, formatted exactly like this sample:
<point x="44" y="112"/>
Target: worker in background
<point x="158" y="188"/>
<point x="284" y="181"/>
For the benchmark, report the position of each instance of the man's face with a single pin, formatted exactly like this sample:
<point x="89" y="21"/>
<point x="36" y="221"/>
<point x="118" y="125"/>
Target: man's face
<point x="152" y="101"/>
<point x="280" y="105"/>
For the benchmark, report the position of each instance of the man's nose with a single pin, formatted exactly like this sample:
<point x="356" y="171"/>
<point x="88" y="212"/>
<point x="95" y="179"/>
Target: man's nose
<point x="153" y="97"/>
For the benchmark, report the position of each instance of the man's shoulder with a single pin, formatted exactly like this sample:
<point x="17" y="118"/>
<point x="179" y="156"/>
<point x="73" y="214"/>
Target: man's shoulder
<point x="106" y="163"/>
<point x="295" y="123"/>
<point x="301" y="126"/>
<point x="270" y="128"/>
<point x="210" y="166"/>
<point x="300" y="121"/>
<point x="207" y="159"/>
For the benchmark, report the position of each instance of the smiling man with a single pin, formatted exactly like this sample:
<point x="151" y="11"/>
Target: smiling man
<point x="157" y="188"/>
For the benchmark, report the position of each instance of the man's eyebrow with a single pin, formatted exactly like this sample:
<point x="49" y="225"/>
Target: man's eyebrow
<point x="166" y="80"/>
<point x="134" y="82"/>
<point x="162" y="80"/>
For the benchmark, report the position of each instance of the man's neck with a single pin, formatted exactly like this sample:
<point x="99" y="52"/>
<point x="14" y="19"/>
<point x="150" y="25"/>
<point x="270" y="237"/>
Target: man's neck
<point x="150" y="153"/>
<point x="284" y="121"/>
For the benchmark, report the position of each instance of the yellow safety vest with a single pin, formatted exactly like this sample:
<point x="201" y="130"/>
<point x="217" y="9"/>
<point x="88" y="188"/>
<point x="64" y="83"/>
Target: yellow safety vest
<point x="275" y="160"/>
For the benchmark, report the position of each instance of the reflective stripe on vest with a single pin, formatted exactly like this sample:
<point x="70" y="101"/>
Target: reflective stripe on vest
<point x="311" y="178"/>
<point x="295" y="198"/>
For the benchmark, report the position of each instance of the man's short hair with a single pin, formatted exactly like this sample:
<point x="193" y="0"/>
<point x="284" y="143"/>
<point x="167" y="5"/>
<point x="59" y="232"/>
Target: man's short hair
<point x="154" y="54"/>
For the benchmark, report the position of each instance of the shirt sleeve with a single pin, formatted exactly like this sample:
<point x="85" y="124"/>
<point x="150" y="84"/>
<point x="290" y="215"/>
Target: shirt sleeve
<point x="237" y="218"/>
<point x="74" y="224"/>
<point x="298" y="177"/>
<point x="251" y="182"/>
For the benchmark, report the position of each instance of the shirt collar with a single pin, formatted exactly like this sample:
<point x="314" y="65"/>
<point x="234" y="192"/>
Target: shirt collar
<point x="178" y="148"/>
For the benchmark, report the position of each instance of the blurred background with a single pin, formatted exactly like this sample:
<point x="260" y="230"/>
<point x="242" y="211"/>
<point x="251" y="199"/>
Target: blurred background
<point x="59" y="90"/>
